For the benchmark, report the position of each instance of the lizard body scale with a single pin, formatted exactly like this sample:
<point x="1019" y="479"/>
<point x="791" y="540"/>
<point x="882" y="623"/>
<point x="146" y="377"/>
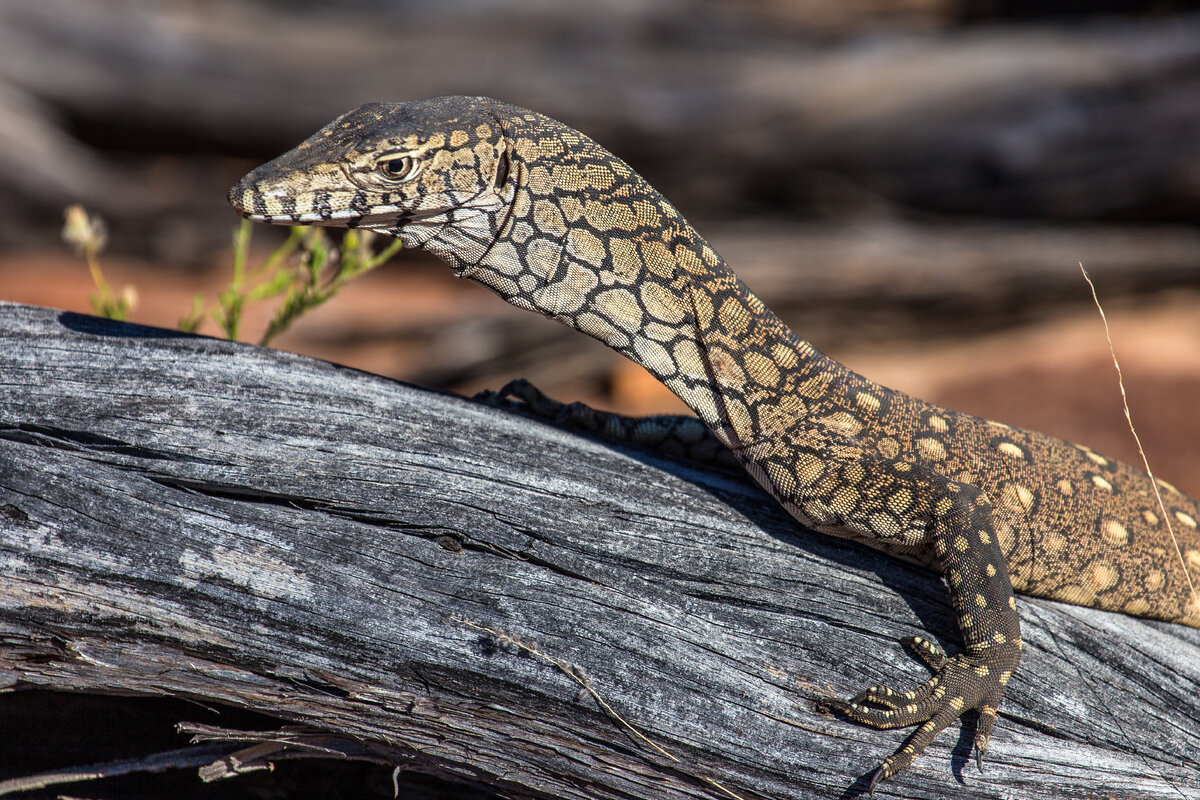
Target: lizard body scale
<point x="550" y="221"/>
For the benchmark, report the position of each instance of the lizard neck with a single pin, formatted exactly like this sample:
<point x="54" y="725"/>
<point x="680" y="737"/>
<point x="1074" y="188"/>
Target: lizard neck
<point x="589" y="243"/>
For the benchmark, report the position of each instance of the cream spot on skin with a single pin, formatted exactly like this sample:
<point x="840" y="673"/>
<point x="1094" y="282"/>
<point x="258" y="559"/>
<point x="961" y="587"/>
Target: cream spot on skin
<point x="602" y="329"/>
<point x="648" y="215"/>
<point x="727" y="370"/>
<point x="659" y="332"/>
<point x="1102" y="576"/>
<point x="1017" y="498"/>
<point x="761" y="369"/>
<point x="867" y="401"/>
<point x="931" y="448"/>
<point x="842" y="422"/>
<point x="539" y="181"/>
<point x="781" y="478"/>
<point x="549" y="219"/>
<point x="809" y="469"/>
<point x="1114" y="532"/>
<point x="660" y="303"/>
<point x="885" y="525"/>
<point x="657" y="259"/>
<point x="1011" y="450"/>
<point x="734" y="317"/>
<point x="785" y="356"/>
<point x="621" y="308"/>
<point x="900" y="502"/>
<point x="1167" y="486"/>
<point x="1155" y="579"/>
<point x="818" y="512"/>
<point x="1137" y="606"/>
<point x="1192" y="557"/>
<point x="521" y="232"/>
<point x="624" y="260"/>
<point x="845" y="499"/>
<point x="815" y="387"/>
<point x="687" y="357"/>
<point x="654" y="354"/>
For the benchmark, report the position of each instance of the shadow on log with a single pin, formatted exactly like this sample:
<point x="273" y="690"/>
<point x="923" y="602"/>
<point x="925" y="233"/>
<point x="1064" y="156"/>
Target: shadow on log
<point x="428" y="582"/>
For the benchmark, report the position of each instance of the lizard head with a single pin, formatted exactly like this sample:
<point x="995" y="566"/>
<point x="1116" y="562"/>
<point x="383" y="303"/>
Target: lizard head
<point x="532" y="209"/>
<point x="421" y="171"/>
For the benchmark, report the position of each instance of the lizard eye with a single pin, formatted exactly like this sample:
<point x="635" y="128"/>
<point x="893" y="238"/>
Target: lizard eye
<point x="398" y="169"/>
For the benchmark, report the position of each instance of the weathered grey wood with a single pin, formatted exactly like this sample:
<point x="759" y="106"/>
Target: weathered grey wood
<point x="187" y="516"/>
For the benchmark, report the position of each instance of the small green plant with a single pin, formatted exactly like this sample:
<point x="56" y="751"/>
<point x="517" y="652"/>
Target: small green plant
<point x="321" y="273"/>
<point x="88" y="235"/>
<point x="318" y="272"/>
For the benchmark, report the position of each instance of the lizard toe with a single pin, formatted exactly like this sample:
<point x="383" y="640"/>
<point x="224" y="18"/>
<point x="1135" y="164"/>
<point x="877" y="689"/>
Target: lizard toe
<point x="916" y="744"/>
<point x="898" y="709"/>
<point x="970" y="680"/>
<point x="929" y="652"/>
<point x="983" y="733"/>
<point x="883" y="696"/>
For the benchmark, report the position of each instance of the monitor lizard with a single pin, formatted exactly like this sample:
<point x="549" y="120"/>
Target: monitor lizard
<point x="554" y="223"/>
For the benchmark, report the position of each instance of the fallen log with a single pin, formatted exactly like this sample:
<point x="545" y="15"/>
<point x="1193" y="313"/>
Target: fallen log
<point x="410" y="577"/>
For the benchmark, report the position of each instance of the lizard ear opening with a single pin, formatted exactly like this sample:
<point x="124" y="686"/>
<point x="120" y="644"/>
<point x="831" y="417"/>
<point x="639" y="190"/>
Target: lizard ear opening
<point x="501" y="169"/>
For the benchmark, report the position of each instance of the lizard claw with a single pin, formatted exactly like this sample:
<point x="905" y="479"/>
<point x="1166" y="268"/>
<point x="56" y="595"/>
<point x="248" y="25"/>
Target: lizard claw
<point x="969" y="680"/>
<point x="876" y="779"/>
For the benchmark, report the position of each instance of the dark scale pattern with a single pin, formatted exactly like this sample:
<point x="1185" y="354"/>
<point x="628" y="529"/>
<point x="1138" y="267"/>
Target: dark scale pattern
<point x="553" y="223"/>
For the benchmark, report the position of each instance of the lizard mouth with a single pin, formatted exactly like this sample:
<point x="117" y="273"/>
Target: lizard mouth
<point x="275" y="206"/>
<point x="329" y="219"/>
<point x="324" y="208"/>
